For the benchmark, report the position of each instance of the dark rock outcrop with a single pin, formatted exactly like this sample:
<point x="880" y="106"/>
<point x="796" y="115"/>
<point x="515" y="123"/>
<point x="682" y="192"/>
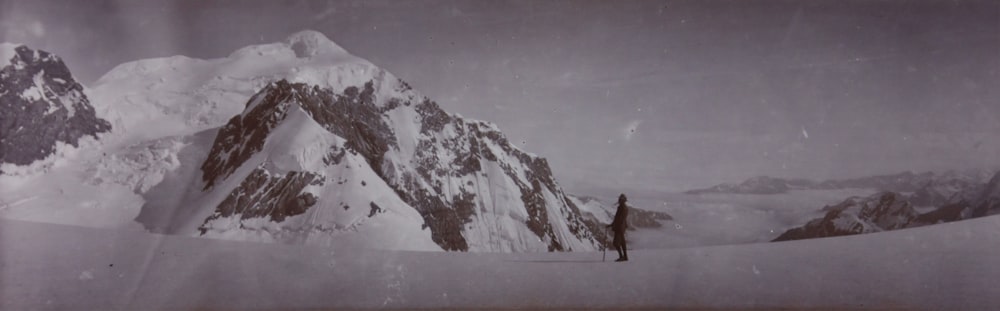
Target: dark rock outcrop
<point x="640" y="218"/>
<point x="958" y="198"/>
<point x="988" y="201"/>
<point x="263" y="195"/>
<point x="41" y="104"/>
<point x="879" y="212"/>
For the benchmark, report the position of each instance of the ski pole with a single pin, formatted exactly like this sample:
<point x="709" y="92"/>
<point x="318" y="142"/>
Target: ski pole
<point x="604" y="245"/>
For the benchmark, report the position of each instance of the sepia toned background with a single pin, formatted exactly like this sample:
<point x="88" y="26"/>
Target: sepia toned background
<point x="638" y="95"/>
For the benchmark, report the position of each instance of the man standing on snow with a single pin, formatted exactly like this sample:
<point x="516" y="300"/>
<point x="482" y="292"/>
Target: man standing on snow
<point x="618" y="226"/>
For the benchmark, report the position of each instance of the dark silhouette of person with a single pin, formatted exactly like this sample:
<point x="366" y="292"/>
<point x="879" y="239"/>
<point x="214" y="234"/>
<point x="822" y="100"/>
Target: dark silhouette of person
<point x="618" y="226"/>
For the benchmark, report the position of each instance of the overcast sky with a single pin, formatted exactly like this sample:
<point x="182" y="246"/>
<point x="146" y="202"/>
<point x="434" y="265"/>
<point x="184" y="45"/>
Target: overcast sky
<point x="625" y="96"/>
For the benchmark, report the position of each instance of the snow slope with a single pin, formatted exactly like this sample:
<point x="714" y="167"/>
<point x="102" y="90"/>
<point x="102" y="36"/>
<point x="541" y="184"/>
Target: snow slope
<point x="379" y="145"/>
<point x="157" y="107"/>
<point x="153" y="98"/>
<point x="322" y="122"/>
<point x="424" y="171"/>
<point x="343" y="196"/>
<point x="54" y="267"/>
<point x="7" y="52"/>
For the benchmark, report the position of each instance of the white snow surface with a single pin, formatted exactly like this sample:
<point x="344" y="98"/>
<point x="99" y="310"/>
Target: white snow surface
<point x="298" y="144"/>
<point x="594" y="208"/>
<point x="56" y="267"/>
<point x="7" y="52"/>
<point x="36" y="91"/>
<point x="62" y="189"/>
<point x="153" y="98"/>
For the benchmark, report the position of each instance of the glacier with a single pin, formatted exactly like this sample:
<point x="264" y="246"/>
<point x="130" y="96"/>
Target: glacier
<point x="941" y="267"/>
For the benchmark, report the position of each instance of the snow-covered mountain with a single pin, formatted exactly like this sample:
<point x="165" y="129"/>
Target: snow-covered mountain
<point x="949" y="187"/>
<point x="955" y="196"/>
<point x="971" y="202"/>
<point x="758" y="185"/>
<point x="988" y="201"/>
<point x="178" y="95"/>
<point x="879" y="212"/>
<point x="42" y="110"/>
<point x="333" y="146"/>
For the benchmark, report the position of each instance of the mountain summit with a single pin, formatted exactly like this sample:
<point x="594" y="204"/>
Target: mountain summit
<point x="41" y="106"/>
<point x="309" y="43"/>
<point x="333" y="149"/>
<point x="178" y="95"/>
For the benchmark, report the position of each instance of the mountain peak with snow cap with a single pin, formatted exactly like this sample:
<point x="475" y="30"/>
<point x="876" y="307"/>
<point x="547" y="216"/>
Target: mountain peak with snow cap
<point x="304" y="163"/>
<point x="179" y="94"/>
<point x="301" y="151"/>
<point x="41" y="107"/>
<point x="308" y="43"/>
<point x="312" y="144"/>
<point x="302" y="45"/>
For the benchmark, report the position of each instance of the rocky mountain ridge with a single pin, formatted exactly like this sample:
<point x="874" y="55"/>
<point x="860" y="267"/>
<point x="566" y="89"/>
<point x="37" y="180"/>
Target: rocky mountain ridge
<point x="41" y="107"/>
<point x="954" y="199"/>
<point x="309" y="158"/>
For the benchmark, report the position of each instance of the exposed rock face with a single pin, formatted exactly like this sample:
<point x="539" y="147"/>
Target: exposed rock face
<point x="274" y="197"/>
<point x="451" y="170"/>
<point x="640" y="218"/>
<point x="41" y="105"/>
<point x="245" y="134"/>
<point x="988" y="202"/>
<point x="947" y="213"/>
<point x="958" y="198"/>
<point x="879" y="212"/>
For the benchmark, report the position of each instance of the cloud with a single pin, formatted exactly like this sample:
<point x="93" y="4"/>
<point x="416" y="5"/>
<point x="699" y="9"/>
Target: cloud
<point x="23" y="28"/>
<point x="326" y="13"/>
<point x="36" y="28"/>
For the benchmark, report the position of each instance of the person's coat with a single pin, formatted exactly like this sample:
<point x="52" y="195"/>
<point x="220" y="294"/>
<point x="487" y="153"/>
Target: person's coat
<point x="620" y="223"/>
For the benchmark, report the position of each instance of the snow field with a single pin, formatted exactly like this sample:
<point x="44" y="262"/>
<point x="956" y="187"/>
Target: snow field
<point x="943" y="267"/>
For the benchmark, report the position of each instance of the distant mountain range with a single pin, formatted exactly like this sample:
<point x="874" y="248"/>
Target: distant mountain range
<point x="933" y="188"/>
<point x="955" y="196"/>
<point x="952" y="195"/>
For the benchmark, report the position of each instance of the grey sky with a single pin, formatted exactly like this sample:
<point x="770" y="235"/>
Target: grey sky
<point x="715" y="90"/>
